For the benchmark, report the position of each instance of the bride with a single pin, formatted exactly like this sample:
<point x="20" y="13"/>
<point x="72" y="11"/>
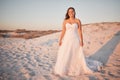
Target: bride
<point x="70" y="57"/>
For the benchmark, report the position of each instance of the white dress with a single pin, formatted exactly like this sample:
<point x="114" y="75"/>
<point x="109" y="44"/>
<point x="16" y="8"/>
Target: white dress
<point x="70" y="57"/>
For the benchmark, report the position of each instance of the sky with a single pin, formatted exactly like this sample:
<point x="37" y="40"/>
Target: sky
<point x="49" y="14"/>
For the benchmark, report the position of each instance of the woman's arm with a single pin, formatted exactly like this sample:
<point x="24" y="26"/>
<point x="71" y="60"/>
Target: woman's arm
<point x="62" y="33"/>
<point x="80" y="32"/>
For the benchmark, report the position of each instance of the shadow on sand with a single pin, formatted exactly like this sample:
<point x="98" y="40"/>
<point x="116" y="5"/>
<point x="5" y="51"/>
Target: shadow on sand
<point x="104" y="53"/>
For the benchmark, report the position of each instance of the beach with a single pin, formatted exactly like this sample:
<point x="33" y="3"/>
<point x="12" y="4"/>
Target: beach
<point x="33" y="58"/>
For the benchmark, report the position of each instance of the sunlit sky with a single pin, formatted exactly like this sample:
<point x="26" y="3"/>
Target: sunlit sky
<point x="49" y="14"/>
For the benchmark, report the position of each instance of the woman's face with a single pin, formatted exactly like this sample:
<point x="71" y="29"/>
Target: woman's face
<point x="71" y="13"/>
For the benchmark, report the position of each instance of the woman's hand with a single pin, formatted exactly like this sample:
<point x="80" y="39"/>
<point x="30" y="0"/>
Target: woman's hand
<point x="60" y="43"/>
<point x="81" y="44"/>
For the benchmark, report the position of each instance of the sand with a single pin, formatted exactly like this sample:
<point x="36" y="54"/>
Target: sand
<point x="34" y="59"/>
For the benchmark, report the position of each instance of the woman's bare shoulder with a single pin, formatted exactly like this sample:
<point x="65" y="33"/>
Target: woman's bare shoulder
<point x="78" y="20"/>
<point x="65" y="21"/>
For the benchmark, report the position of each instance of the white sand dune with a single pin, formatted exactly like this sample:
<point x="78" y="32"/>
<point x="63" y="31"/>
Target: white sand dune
<point x="34" y="59"/>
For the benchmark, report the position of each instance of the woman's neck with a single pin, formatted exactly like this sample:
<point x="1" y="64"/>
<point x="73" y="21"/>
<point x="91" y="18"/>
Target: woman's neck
<point x="71" y="18"/>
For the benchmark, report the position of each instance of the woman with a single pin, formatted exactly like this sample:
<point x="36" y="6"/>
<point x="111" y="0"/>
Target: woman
<point x="70" y="58"/>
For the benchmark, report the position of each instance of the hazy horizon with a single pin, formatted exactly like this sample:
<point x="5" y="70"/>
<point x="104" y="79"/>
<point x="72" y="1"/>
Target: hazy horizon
<point x="46" y="15"/>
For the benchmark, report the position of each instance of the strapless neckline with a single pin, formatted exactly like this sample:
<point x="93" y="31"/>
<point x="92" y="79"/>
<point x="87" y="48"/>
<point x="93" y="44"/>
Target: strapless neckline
<point x="70" y="23"/>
